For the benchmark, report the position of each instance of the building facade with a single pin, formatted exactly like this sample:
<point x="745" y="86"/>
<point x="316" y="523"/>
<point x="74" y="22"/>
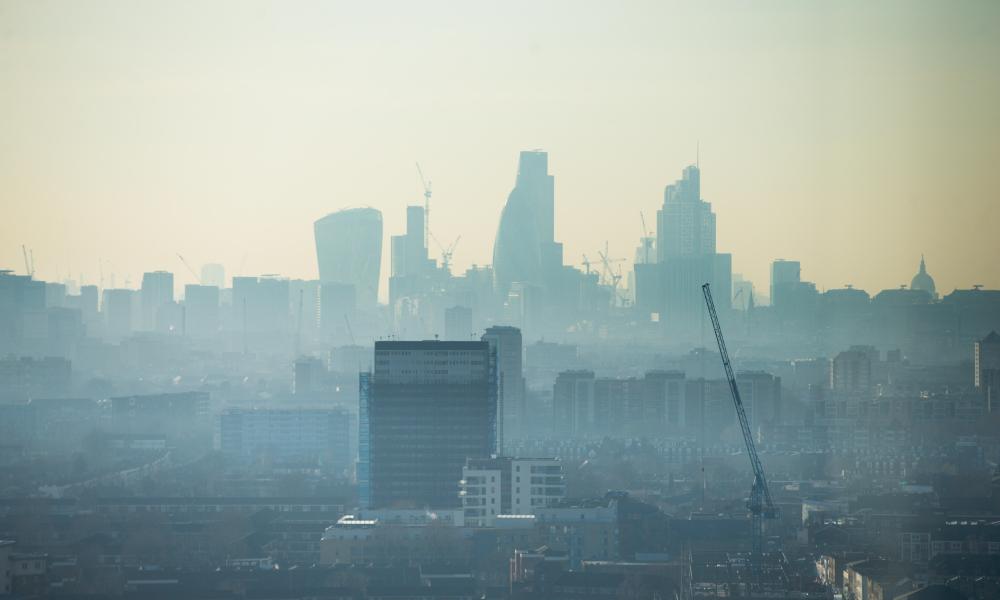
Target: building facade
<point x="425" y="409"/>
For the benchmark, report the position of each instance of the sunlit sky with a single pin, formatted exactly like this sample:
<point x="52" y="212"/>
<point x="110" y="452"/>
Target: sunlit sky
<point x="852" y="136"/>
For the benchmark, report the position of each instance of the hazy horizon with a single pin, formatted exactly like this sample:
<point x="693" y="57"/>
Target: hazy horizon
<point x="851" y="137"/>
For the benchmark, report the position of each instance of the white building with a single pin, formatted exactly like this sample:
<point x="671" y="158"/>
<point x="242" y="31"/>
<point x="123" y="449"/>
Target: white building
<point x="509" y="486"/>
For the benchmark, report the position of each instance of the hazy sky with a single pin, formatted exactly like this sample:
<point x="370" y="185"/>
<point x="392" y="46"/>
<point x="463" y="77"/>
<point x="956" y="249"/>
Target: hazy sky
<point x="850" y="136"/>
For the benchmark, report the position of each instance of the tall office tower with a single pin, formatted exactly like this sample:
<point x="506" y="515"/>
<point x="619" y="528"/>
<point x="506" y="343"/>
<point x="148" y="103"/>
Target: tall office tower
<point x="409" y="255"/>
<point x="525" y="249"/>
<point x="427" y="407"/>
<point x="213" y="274"/>
<point x="685" y="225"/>
<point x="349" y="251"/>
<point x="670" y="290"/>
<point x="987" y="369"/>
<point x="785" y="277"/>
<point x="201" y="310"/>
<point x="157" y="290"/>
<point x="457" y="323"/>
<point x="507" y="345"/>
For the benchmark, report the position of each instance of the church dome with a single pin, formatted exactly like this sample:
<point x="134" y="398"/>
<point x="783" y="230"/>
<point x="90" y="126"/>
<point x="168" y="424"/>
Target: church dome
<point x="923" y="281"/>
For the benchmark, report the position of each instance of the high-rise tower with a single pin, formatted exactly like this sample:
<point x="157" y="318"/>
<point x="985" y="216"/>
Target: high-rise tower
<point x="349" y="251"/>
<point x="525" y="250"/>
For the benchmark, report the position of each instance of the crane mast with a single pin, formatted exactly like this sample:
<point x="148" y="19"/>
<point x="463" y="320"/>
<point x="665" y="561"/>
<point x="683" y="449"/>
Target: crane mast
<point x="760" y="504"/>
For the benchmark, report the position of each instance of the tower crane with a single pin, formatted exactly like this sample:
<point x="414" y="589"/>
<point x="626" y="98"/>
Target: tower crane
<point x="647" y="238"/>
<point x="760" y="504"/>
<point x="427" y="205"/>
<point x="190" y="270"/>
<point x="446" y="253"/>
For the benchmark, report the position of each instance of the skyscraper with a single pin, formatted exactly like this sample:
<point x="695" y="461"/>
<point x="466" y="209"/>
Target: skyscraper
<point x="686" y="258"/>
<point x="157" y="290"/>
<point x="427" y="407"/>
<point x="785" y="276"/>
<point x="349" y="251"/>
<point x="525" y="249"/>
<point x="685" y="224"/>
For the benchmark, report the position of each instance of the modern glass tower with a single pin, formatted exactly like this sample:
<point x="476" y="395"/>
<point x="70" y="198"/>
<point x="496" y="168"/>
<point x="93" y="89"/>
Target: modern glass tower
<point x="349" y="251"/>
<point x="525" y="250"/>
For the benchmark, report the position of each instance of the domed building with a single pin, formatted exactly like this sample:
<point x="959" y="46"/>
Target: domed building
<point x="923" y="281"/>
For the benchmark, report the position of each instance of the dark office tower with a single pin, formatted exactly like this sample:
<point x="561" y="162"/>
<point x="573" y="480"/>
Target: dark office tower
<point x="525" y="249"/>
<point x="457" y="323"/>
<point x="987" y="369"/>
<point x="349" y="251"/>
<point x="506" y="344"/>
<point x="427" y="407"/>
<point x="923" y="281"/>
<point x="157" y="290"/>
<point x="670" y="290"/>
<point x="201" y="310"/>
<point x="785" y="276"/>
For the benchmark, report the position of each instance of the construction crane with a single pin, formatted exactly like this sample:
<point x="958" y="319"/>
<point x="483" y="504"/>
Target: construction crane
<point x="446" y="253"/>
<point x="27" y="266"/>
<point x="760" y="504"/>
<point x="647" y="239"/>
<point x="427" y="205"/>
<point x="190" y="270"/>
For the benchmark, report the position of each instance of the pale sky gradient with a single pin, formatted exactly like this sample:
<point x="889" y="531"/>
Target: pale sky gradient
<point x="849" y="135"/>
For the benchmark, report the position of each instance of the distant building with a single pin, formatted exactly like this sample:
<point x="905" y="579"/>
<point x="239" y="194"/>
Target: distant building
<point x="457" y="323"/>
<point x="427" y="407"/>
<point x="851" y="370"/>
<point x="157" y="291"/>
<point x="213" y="274"/>
<point x="987" y="369"/>
<point x="201" y="310"/>
<point x="261" y="304"/>
<point x="349" y="251"/>
<point x="525" y="249"/>
<point x="180" y="416"/>
<point x="923" y="281"/>
<point x="299" y="436"/>
<point x="669" y="292"/>
<point x="505" y="342"/>
<point x="585" y="406"/>
<point x="119" y="307"/>
<point x="509" y="486"/>
<point x="785" y="275"/>
<point x="310" y="375"/>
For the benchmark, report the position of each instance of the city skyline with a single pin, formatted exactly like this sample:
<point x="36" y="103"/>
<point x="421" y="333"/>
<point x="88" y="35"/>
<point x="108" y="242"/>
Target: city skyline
<point x="243" y="148"/>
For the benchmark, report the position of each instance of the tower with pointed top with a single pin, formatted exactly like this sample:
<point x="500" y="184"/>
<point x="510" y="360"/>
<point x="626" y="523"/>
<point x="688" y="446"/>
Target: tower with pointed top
<point x="923" y="281"/>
